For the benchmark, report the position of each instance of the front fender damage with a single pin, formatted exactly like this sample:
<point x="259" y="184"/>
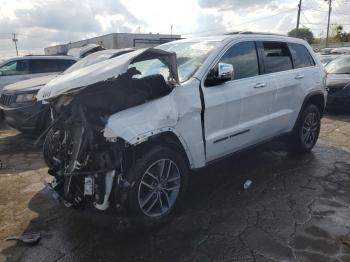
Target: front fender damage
<point x="90" y="147"/>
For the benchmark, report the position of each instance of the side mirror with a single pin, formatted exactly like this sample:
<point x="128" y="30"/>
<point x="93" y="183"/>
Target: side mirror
<point x="219" y="74"/>
<point x="225" y="72"/>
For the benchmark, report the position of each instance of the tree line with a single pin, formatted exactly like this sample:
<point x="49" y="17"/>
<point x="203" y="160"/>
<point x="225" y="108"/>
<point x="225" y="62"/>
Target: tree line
<point x="337" y="34"/>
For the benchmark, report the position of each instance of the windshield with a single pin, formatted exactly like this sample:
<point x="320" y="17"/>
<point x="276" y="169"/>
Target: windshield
<point x="189" y="55"/>
<point x="340" y="65"/>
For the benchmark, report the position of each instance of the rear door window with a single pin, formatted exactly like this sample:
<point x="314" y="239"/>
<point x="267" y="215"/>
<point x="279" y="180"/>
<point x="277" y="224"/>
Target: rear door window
<point x="244" y="59"/>
<point x="276" y="56"/>
<point x="37" y="66"/>
<point x="301" y="56"/>
<point x="49" y="65"/>
<point x="58" y="65"/>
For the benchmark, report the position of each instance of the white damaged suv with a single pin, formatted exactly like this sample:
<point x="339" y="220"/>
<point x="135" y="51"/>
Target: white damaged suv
<point x="126" y="131"/>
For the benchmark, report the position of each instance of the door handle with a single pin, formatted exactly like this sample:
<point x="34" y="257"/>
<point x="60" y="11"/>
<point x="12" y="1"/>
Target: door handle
<point x="260" y="85"/>
<point x="299" y="76"/>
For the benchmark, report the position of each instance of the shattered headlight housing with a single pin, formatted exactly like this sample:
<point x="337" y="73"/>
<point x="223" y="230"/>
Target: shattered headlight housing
<point x="29" y="97"/>
<point x="62" y="101"/>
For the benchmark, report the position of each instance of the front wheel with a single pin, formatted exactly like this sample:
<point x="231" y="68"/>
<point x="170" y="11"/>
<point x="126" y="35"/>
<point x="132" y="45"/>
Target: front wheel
<point x="160" y="176"/>
<point x="51" y="146"/>
<point x="307" y="130"/>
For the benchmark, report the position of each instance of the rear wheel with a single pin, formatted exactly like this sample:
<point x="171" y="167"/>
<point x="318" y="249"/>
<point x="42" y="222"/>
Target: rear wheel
<point x="307" y="130"/>
<point x="160" y="176"/>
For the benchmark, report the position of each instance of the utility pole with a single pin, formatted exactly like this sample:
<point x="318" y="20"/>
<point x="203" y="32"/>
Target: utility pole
<point x="329" y="18"/>
<point x="171" y="31"/>
<point x="298" y="19"/>
<point x="15" y="40"/>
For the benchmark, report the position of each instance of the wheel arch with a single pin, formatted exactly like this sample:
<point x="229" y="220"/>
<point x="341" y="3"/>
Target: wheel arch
<point x="168" y="138"/>
<point x="316" y="98"/>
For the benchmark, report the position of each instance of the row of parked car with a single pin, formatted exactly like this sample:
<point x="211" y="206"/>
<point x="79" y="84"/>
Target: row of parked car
<point x="126" y="126"/>
<point x="337" y="64"/>
<point x="18" y="101"/>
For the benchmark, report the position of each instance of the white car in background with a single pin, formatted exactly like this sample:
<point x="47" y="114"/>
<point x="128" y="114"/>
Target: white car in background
<point x="25" y="67"/>
<point x="85" y="50"/>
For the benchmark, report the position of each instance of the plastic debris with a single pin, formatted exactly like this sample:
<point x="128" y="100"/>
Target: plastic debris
<point x="29" y="238"/>
<point x="247" y="184"/>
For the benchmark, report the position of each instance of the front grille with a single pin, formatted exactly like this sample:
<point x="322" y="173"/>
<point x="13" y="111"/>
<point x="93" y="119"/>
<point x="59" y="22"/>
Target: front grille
<point x="7" y="100"/>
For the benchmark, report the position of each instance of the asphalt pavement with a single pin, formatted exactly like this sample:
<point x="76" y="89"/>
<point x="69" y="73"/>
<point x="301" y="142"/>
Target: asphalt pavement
<point x="296" y="209"/>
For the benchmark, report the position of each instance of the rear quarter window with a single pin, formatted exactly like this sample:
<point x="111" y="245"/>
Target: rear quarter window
<point x="301" y="56"/>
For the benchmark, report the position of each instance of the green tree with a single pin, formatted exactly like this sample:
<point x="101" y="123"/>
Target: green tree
<point x="303" y="33"/>
<point x="340" y="35"/>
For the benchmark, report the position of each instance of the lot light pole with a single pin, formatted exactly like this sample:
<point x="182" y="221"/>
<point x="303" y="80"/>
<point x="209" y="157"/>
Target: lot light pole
<point x="15" y="40"/>
<point x="329" y="18"/>
<point x="298" y="19"/>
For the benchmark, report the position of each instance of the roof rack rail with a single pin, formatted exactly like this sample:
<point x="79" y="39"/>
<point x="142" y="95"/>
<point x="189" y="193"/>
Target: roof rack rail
<point x="43" y="55"/>
<point x="251" y="32"/>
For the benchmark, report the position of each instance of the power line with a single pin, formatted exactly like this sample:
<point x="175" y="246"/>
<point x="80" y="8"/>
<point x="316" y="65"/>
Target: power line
<point x="244" y="23"/>
<point x="325" y="23"/>
<point x="305" y="17"/>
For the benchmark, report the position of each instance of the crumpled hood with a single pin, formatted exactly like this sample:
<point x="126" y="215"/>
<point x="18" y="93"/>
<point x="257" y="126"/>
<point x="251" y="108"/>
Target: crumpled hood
<point x="104" y="70"/>
<point x="29" y="84"/>
<point x="337" y="79"/>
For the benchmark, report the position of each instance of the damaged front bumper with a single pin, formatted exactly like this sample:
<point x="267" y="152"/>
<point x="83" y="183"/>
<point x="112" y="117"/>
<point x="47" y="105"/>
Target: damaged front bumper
<point x="90" y="168"/>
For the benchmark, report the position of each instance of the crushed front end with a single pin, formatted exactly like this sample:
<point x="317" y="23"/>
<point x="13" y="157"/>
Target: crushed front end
<point x="88" y="169"/>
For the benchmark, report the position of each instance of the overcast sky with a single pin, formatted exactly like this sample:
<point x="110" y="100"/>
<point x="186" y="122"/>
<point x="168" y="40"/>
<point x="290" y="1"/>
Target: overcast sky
<point x="41" y="23"/>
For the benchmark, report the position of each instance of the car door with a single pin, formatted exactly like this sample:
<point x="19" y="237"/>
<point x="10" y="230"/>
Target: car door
<point x="307" y="76"/>
<point x="278" y="66"/>
<point x="13" y="71"/>
<point x="236" y="111"/>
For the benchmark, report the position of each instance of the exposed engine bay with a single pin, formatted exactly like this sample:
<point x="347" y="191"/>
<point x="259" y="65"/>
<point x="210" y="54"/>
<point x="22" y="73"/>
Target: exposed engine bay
<point x="88" y="169"/>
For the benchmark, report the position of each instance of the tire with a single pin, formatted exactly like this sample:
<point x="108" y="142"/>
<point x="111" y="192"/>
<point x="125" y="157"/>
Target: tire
<point x="306" y="131"/>
<point x="151" y="201"/>
<point x="50" y="146"/>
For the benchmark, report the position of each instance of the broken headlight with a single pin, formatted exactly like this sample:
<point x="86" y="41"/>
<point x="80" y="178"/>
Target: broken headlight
<point x="21" y="98"/>
<point x="62" y="101"/>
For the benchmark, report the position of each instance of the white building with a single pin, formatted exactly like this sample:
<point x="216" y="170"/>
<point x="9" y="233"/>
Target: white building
<point x="115" y="41"/>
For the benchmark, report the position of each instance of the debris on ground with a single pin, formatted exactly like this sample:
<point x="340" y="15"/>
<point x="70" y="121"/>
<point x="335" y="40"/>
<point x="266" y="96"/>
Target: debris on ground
<point x="28" y="238"/>
<point x="308" y="187"/>
<point x="247" y="184"/>
<point x="345" y="241"/>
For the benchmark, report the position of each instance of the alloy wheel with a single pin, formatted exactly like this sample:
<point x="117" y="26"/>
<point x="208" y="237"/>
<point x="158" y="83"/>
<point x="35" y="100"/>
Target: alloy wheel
<point x="310" y="129"/>
<point x="159" y="188"/>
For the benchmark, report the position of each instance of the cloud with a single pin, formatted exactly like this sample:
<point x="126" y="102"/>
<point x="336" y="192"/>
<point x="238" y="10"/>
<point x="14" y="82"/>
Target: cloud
<point x="48" y="22"/>
<point x="232" y="4"/>
<point x="40" y="23"/>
